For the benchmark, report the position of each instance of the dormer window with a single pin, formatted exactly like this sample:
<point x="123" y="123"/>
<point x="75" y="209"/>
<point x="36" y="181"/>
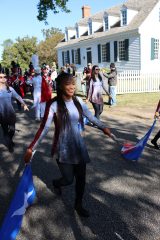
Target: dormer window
<point x="124" y="17"/>
<point x="66" y="35"/>
<point x="77" y="32"/>
<point x="106" y="24"/>
<point x="90" y="27"/>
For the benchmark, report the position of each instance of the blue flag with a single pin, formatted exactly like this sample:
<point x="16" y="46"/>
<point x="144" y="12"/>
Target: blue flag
<point x="131" y="152"/>
<point x="23" y="197"/>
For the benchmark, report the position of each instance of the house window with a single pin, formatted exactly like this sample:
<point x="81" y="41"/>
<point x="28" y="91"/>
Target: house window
<point x="77" y="55"/>
<point x="106" y="26"/>
<point x="156" y="48"/>
<point x="124" y="17"/>
<point x="90" y="27"/>
<point x="104" y="53"/>
<point x="66" y="57"/>
<point x="121" y="48"/>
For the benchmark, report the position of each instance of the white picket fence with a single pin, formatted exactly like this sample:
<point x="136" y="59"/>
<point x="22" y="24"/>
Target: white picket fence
<point x="133" y="82"/>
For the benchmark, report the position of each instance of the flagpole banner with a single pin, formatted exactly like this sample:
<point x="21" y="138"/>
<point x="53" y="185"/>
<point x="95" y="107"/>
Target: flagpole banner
<point x="133" y="152"/>
<point x="24" y="197"/>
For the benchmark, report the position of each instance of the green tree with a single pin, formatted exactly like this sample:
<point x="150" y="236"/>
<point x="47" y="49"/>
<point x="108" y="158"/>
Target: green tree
<point x="20" y="52"/>
<point x="54" y="5"/>
<point x="7" y="43"/>
<point x="46" y="49"/>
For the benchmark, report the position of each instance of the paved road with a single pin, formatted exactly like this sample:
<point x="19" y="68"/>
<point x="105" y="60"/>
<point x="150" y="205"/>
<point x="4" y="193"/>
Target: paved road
<point x="123" y="197"/>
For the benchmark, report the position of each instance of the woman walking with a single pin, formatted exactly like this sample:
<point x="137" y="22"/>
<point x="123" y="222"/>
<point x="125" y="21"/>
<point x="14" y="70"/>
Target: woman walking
<point x="97" y="85"/>
<point x="68" y="111"/>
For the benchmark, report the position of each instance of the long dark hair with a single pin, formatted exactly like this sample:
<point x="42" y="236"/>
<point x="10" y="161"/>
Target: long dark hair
<point x="62" y="111"/>
<point x="93" y="74"/>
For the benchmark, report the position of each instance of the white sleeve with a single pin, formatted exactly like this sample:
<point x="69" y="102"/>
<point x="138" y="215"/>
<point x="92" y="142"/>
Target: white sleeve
<point x="44" y="127"/>
<point x="16" y="96"/>
<point x="87" y="113"/>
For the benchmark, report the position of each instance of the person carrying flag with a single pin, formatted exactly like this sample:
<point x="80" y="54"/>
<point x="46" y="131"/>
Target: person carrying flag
<point x="67" y="111"/>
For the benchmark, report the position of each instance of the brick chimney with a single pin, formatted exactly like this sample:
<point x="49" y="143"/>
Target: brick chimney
<point x="86" y="11"/>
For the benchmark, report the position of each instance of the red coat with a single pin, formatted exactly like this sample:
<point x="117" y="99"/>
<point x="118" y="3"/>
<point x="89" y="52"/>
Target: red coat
<point x="46" y="93"/>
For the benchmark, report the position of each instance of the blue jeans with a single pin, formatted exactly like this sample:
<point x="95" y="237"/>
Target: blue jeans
<point x="112" y="92"/>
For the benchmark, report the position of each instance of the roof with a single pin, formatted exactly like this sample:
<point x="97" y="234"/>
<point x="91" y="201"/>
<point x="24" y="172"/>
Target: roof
<point x="143" y="7"/>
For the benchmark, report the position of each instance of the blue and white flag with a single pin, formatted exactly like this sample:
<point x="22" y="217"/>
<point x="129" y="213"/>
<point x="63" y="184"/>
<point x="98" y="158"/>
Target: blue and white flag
<point x="133" y="152"/>
<point x="24" y="196"/>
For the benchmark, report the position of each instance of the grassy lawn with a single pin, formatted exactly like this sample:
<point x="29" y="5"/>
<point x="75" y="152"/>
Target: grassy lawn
<point x="138" y="99"/>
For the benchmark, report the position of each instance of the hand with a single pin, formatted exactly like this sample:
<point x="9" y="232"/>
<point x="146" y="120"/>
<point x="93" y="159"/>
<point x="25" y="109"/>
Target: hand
<point x="25" y="108"/>
<point x="156" y="115"/>
<point x="107" y="132"/>
<point x="28" y="155"/>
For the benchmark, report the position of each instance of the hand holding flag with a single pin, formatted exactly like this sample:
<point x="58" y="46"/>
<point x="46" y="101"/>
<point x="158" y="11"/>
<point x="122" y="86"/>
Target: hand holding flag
<point x="28" y="155"/>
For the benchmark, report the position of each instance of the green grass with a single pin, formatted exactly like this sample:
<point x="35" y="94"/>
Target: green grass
<point x="134" y="99"/>
<point x="138" y="99"/>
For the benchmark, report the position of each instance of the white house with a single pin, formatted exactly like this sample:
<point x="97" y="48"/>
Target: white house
<point x="127" y="34"/>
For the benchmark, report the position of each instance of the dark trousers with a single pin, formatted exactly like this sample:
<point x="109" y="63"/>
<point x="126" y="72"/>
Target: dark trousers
<point x="98" y="108"/>
<point x="8" y="131"/>
<point x="69" y="171"/>
<point x="155" y="139"/>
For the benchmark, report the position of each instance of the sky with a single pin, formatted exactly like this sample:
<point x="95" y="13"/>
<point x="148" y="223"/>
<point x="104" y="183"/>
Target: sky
<point x="18" y="17"/>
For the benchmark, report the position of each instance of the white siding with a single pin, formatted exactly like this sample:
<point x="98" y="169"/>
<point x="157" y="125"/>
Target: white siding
<point x="82" y="30"/>
<point x="134" y="53"/>
<point x="150" y="29"/>
<point x="130" y="15"/>
<point x="95" y="26"/>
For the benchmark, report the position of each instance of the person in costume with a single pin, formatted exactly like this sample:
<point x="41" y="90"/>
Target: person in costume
<point x="96" y="87"/>
<point x="41" y="93"/>
<point x="18" y="83"/>
<point x="68" y="111"/>
<point x="7" y="113"/>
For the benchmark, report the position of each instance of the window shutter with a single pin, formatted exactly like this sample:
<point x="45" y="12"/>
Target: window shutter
<point x="108" y="52"/>
<point x="72" y="56"/>
<point x="99" y="53"/>
<point x="126" y="47"/>
<point x="79" y="56"/>
<point x="115" y="51"/>
<point x="152" y="48"/>
<point x="68" y="57"/>
<point x="63" y="58"/>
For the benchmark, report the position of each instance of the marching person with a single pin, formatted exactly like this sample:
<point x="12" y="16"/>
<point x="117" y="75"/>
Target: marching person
<point x="18" y="83"/>
<point x="7" y="113"/>
<point x="41" y="93"/>
<point x="96" y="87"/>
<point x="67" y="111"/>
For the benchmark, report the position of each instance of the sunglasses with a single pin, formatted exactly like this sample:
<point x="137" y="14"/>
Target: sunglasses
<point x="97" y="69"/>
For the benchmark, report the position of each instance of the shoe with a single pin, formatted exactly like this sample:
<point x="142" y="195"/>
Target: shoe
<point x="81" y="211"/>
<point x="155" y="144"/>
<point x="57" y="189"/>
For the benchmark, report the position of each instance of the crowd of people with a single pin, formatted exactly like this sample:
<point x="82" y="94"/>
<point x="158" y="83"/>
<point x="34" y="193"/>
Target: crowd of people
<point x="66" y="110"/>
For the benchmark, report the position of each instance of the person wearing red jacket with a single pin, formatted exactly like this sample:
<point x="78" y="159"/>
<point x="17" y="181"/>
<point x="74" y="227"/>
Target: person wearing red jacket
<point x="17" y="82"/>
